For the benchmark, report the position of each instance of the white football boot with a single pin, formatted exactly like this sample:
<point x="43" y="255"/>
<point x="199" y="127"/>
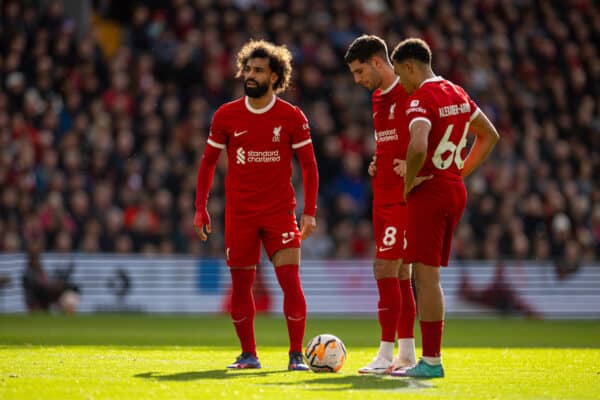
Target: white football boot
<point x="399" y="363"/>
<point x="378" y="366"/>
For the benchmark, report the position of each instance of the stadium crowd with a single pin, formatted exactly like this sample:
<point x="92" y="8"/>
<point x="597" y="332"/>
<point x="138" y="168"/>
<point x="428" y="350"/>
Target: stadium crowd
<point x="101" y="133"/>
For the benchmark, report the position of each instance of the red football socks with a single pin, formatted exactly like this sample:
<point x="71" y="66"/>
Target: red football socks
<point x="408" y="312"/>
<point x="243" y="308"/>
<point x="294" y="304"/>
<point x="431" y="332"/>
<point x="388" y="307"/>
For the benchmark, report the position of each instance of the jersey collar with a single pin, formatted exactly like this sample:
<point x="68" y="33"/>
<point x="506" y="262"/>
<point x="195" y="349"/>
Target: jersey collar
<point x="260" y="110"/>
<point x="433" y="79"/>
<point x="392" y="86"/>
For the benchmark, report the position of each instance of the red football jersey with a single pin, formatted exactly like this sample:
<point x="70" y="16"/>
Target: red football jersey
<point x="260" y="145"/>
<point x="449" y="110"/>
<point x="391" y="139"/>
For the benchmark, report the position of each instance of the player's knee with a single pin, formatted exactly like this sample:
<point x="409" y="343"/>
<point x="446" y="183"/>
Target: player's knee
<point x="404" y="272"/>
<point x="385" y="268"/>
<point x="427" y="283"/>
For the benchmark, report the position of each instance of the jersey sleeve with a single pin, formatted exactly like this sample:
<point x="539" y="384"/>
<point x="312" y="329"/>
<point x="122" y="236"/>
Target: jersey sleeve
<point x="473" y="108"/>
<point x="419" y="108"/>
<point x="301" y="131"/>
<point x="217" y="136"/>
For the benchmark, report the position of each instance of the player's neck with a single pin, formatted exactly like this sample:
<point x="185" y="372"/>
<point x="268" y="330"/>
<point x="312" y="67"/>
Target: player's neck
<point x="423" y="76"/>
<point x="262" y="101"/>
<point x="387" y="79"/>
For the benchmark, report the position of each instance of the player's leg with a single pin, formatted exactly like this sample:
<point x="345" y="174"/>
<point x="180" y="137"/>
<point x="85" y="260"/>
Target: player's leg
<point x="389" y="238"/>
<point x="433" y="223"/>
<point x="427" y="277"/>
<point x="388" y="313"/>
<point x="406" y="356"/>
<point x="431" y="310"/>
<point x="406" y="322"/>
<point x="242" y="250"/>
<point x="430" y="304"/>
<point x="281" y="239"/>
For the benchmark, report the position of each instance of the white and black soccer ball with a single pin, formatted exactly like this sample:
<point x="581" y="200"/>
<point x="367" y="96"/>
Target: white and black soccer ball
<point x="325" y="353"/>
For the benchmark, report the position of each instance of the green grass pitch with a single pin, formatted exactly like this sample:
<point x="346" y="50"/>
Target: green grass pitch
<point x="175" y="357"/>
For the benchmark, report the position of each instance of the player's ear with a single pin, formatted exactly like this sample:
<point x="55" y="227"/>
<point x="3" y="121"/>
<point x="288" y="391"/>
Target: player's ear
<point x="380" y="62"/>
<point x="376" y="61"/>
<point x="274" y="78"/>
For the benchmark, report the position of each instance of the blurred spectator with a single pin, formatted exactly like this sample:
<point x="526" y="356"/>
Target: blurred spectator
<point x="43" y="292"/>
<point x="115" y="138"/>
<point x="498" y="295"/>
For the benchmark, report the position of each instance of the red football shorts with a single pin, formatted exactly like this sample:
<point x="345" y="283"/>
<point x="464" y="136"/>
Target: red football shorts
<point x="244" y="234"/>
<point x="389" y="229"/>
<point x="434" y="210"/>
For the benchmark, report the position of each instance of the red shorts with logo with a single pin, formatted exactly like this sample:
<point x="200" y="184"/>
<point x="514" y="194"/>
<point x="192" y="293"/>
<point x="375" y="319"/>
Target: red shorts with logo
<point x="244" y="234"/>
<point x="434" y="210"/>
<point x="389" y="229"/>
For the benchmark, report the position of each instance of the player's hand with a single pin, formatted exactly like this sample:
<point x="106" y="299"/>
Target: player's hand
<point x="372" y="166"/>
<point x="399" y="167"/>
<point x="202" y="224"/>
<point x="421" y="179"/>
<point x="308" y="223"/>
<point x="418" y="180"/>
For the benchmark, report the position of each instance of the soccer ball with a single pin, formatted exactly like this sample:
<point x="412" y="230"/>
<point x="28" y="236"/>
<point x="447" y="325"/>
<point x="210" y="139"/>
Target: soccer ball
<point x="325" y="353"/>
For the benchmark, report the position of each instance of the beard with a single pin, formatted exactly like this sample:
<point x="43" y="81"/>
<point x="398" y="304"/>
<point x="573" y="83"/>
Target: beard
<point x="255" y="91"/>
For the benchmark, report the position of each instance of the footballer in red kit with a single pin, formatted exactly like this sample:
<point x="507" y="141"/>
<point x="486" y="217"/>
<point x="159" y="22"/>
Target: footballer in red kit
<point x="261" y="133"/>
<point x="260" y="145"/>
<point x="440" y="115"/>
<point x="449" y="111"/>
<point x="389" y="210"/>
<point x="368" y="61"/>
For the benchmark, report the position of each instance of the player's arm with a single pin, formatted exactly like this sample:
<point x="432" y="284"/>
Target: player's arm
<point x="310" y="178"/>
<point x="204" y="181"/>
<point x="486" y="137"/>
<point x="417" y="151"/>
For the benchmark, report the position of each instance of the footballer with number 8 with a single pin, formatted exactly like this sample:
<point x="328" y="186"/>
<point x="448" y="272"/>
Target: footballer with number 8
<point x="368" y="61"/>
<point x="261" y="133"/>
<point x="440" y="114"/>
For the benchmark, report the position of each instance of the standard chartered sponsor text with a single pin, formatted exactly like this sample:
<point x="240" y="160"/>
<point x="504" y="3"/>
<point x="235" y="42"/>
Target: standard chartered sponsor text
<point x="386" y="136"/>
<point x="263" y="156"/>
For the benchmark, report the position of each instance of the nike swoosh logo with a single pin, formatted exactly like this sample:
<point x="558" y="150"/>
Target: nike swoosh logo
<point x="236" y="134"/>
<point x="284" y="241"/>
<point x="382" y="249"/>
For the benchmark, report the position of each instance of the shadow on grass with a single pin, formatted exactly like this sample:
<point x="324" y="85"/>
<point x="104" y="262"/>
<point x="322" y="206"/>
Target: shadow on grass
<point x="333" y="382"/>
<point x="327" y="382"/>
<point x="211" y="374"/>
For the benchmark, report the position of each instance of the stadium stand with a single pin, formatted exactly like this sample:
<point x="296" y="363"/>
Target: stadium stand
<point x="101" y="133"/>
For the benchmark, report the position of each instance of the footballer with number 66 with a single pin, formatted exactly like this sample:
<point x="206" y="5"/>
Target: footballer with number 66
<point x="439" y="114"/>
